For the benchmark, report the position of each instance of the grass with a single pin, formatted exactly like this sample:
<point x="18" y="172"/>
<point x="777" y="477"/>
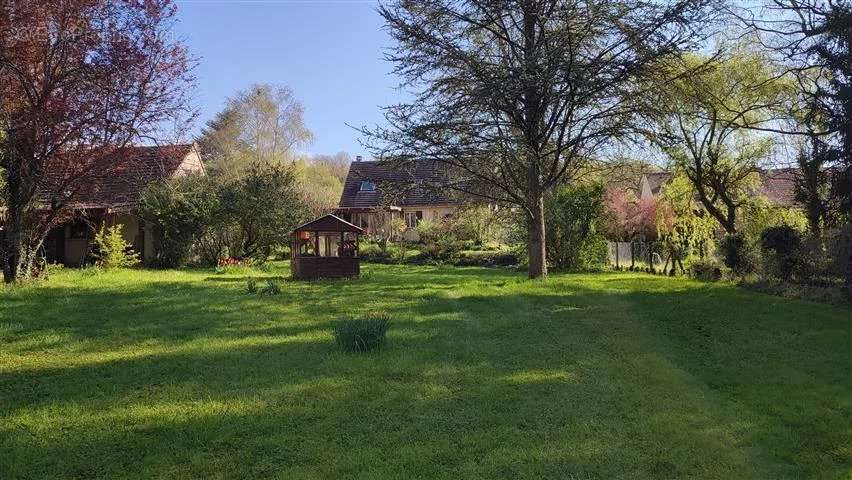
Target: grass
<point x="180" y="374"/>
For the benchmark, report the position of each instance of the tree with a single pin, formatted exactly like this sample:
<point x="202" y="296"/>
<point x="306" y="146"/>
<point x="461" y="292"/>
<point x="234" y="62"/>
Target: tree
<point x="256" y="212"/>
<point x="320" y="183"/>
<point x="628" y="217"/>
<point x="337" y="164"/>
<point x="179" y="211"/>
<point x="681" y="224"/>
<point x="79" y="81"/>
<point x="703" y="123"/>
<point x="511" y="98"/>
<point x="262" y="124"/>
<point x="814" y="37"/>
<point x="575" y="217"/>
<point x="208" y="217"/>
<point x="814" y="185"/>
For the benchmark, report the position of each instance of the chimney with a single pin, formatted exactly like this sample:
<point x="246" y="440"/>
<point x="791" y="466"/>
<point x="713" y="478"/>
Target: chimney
<point x="358" y="158"/>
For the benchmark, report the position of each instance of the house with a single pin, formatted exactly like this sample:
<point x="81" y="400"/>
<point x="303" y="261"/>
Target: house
<point x="375" y="194"/>
<point x="111" y="197"/>
<point x="651" y="184"/>
<point x="776" y="185"/>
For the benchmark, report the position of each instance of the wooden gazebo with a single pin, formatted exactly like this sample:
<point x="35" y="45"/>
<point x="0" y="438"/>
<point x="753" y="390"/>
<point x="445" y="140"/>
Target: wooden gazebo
<point x="325" y="248"/>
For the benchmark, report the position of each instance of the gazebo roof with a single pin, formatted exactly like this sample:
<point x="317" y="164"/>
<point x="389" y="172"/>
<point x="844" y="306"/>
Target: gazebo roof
<point x="329" y="223"/>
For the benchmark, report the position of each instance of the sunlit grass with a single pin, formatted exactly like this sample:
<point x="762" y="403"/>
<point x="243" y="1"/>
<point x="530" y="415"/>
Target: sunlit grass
<point x="182" y="374"/>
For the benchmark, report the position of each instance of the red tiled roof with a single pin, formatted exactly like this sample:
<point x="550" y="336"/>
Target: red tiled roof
<point x="777" y="185"/>
<point x="406" y="186"/>
<point x="122" y="183"/>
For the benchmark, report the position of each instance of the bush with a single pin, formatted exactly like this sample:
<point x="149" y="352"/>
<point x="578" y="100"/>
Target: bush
<point x="371" y="251"/>
<point x="761" y="215"/>
<point x="111" y="250"/>
<point x="814" y="263"/>
<point x="361" y="335"/>
<point x="840" y="250"/>
<point x="179" y="211"/>
<point x="439" y="242"/>
<point x="255" y="213"/>
<point x="782" y="246"/>
<point x="245" y="216"/>
<point x="444" y="250"/>
<point x="477" y="226"/>
<point x="708" y="270"/>
<point x="487" y="259"/>
<point x="429" y="232"/>
<point x="574" y="219"/>
<point x="738" y="254"/>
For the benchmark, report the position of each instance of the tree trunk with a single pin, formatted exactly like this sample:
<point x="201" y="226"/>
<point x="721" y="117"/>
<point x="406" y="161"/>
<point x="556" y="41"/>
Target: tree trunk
<point x="19" y="258"/>
<point x="18" y="250"/>
<point x="19" y="262"/>
<point x="846" y="238"/>
<point x="729" y="221"/>
<point x="10" y="264"/>
<point x="12" y="250"/>
<point x="536" y="243"/>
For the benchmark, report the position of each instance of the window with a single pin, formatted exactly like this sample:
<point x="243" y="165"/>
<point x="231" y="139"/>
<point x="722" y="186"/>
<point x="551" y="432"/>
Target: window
<point x="368" y="186"/>
<point x="361" y="219"/>
<point x="329" y="244"/>
<point x="413" y="218"/>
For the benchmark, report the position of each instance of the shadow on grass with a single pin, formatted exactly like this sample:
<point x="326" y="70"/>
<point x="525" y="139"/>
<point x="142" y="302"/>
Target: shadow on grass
<point x="483" y="375"/>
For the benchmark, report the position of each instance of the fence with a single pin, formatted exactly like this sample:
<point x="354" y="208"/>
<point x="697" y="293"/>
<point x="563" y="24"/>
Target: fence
<point x="626" y="254"/>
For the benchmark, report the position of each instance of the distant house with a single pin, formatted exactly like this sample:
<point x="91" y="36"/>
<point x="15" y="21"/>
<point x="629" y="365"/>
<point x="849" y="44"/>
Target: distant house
<point x="651" y="184"/>
<point x="111" y="197"/>
<point x="374" y="194"/>
<point x="776" y="185"/>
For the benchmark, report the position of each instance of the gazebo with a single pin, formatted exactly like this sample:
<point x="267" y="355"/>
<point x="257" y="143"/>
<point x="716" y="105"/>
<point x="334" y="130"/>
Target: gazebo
<point x="325" y="248"/>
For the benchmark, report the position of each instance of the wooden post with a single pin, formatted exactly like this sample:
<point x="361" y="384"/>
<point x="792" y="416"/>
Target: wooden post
<point x="650" y="257"/>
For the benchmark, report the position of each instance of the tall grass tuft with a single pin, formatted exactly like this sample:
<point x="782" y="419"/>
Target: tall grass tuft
<point x="361" y="334"/>
<point x="271" y="288"/>
<point x="251" y="285"/>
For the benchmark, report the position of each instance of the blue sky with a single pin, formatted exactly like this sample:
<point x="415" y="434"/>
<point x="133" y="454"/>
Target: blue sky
<point x="328" y="51"/>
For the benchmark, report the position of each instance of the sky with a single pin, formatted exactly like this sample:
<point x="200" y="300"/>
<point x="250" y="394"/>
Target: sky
<point x="329" y="52"/>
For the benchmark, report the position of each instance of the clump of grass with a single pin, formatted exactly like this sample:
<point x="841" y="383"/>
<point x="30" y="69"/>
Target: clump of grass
<point x="271" y="288"/>
<point x="251" y="285"/>
<point x="361" y="334"/>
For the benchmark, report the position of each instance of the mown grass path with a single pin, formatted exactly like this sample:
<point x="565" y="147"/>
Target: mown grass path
<point x="180" y="374"/>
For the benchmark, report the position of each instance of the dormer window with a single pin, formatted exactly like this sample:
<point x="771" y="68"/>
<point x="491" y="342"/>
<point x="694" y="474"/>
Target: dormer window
<point x="367" y="186"/>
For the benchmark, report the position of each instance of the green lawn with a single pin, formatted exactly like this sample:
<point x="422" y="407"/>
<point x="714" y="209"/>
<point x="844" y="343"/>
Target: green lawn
<point x="180" y="374"/>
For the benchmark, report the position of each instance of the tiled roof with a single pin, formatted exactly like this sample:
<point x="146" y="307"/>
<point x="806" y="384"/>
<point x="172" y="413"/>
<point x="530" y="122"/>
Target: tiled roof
<point x="777" y="185"/>
<point x="122" y="183"/>
<point x="657" y="180"/>
<point x="406" y="186"/>
<point x="328" y="223"/>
